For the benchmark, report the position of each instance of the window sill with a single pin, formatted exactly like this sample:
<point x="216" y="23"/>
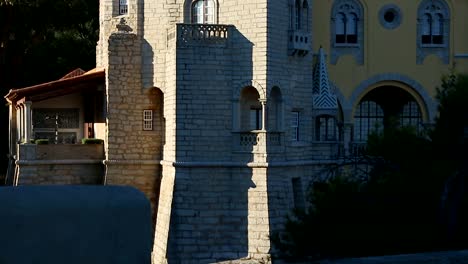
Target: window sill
<point x="433" y="46"/>
<point x="346" y="45"/>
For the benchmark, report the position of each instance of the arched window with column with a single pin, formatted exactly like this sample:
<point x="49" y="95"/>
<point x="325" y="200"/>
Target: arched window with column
<point x="347" y="30"/>
<point x="433" y="30"/>
<point x="251" y="115"/>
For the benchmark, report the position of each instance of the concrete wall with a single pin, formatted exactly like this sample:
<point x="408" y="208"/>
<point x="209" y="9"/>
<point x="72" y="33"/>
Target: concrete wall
<point x="74" y="224"/>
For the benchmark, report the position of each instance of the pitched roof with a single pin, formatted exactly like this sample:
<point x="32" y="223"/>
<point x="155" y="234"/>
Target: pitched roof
<point x="323" y="96"/>
<point x="75" y="81"/>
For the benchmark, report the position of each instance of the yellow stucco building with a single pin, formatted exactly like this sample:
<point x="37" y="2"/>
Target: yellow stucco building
<point x="385" y="56"/>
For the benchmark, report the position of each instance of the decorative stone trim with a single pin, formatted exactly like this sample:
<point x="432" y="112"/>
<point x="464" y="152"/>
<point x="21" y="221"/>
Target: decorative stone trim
<point x="56" y="162"/>
<point x="390" y="16"/>
<point x="131" y="162"/>
<point x="340" y="49"/>
<point x="440" y="50"/>
<point x="430" y="105"/>
<point x="250" y="83"/>
<point x="229" y="164"/>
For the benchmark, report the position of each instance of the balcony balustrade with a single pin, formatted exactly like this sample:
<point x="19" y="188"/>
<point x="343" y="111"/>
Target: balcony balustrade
<point x="299" y="42"/>
<point x="201" y="34"/>
<point x="254" y="141"/>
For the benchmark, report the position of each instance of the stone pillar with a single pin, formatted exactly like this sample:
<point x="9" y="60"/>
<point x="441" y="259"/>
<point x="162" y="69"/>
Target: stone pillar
<point x="263" y="102"/>
<point x="21" y="123"/>
<point x="27" y="121"/>
<point x="347" y="132"/>
<point x="12" y="129"/>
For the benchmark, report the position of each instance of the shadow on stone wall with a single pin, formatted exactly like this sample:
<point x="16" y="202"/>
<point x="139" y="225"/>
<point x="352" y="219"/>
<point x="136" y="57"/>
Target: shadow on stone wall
<point x="210" y="207"/>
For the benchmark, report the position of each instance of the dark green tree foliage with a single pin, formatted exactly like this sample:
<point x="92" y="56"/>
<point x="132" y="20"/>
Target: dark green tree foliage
<point x="448" y="134"/>
<point x="45" y="39"/>
<point x="41" y="41"/>
<point x="412" y="199"/>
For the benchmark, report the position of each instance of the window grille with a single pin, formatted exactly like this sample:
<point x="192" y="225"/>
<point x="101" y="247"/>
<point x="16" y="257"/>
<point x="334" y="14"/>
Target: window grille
<point x="326" y="128"/>
<point x="295" y="126"/>
<point x="123" y="7"/>
<point x="147" y="119"/>
<point x="369" y="118"/>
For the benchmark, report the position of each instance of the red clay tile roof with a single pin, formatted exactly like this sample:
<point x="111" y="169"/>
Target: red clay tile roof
<point x="73" y="82"/>
<point x="74" y="73"/>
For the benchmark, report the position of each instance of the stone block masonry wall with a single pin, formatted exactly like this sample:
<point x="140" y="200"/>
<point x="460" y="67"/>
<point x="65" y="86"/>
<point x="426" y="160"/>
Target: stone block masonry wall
<point x="204" y="109"/>
<point x="50" y="172"/>
<point x="132" y="154"/>
<point x="250" y="45"/>
<point x="293" y="76"/>
<point x="59" y="164"/>
<point x="218" y="214"/>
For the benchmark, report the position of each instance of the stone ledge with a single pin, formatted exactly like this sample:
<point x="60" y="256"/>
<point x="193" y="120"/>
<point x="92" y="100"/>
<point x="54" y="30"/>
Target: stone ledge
<point x="446" y="257"/>
<point x="57" y="162"/>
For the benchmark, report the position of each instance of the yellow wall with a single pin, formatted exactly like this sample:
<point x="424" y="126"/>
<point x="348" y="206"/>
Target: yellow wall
<point x="391" y="51"/>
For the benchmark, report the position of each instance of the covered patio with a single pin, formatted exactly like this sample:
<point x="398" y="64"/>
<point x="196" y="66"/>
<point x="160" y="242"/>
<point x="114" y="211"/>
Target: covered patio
<point x="59" y="113"/>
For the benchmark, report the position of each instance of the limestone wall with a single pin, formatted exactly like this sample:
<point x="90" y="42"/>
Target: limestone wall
<point x="59" y="164"/>
<point x="133" y="154"/>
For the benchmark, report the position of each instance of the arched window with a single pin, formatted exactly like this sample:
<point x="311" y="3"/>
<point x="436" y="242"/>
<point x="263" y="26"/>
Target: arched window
<point x="203" y="12"/>
<point x="347" y="30"/>
<point x="297" y="8"/>
<point x="368" y="118"/>
<point x="351" y="28"/>
<point x="340" y="24"/>
<point x="275" y="110"/>
<point x="410" y="116"/>
<point x="251" y="110"/>
<point x="326" y="128"/>
<point x="426" y="25"/>
<point x="433" y="29"/>
<point x="305" y="15"/>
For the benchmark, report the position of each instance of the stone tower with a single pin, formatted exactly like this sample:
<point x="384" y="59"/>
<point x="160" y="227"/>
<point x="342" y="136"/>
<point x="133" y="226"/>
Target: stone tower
<point x="200" y="95"/>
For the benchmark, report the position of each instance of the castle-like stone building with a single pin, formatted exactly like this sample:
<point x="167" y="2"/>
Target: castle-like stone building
<point x="224" y="111"/>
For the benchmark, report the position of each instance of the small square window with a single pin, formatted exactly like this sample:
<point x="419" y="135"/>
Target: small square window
<point x="123" y="7"/>
<point x="147" y="119"/>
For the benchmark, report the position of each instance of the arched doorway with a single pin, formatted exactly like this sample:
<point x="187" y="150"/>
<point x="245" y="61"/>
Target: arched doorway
<point x="384" y="107"/>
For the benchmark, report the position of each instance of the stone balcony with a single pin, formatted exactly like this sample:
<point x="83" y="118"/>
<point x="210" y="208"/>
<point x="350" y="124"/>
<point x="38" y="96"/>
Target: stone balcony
<point x="298" y="42"/>
<point x="200" y="35"/>
<point x="257" y="141"/>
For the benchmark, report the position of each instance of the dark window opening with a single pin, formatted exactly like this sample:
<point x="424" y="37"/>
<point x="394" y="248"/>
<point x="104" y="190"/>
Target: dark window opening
<point x="389" y="16"/>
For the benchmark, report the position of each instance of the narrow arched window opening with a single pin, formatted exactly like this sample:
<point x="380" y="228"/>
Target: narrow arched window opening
<point x="297" y="15"/>
<point x="203" y="12"/>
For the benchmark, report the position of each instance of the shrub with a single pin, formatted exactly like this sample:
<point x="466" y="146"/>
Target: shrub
<point x="92" y="141"/>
